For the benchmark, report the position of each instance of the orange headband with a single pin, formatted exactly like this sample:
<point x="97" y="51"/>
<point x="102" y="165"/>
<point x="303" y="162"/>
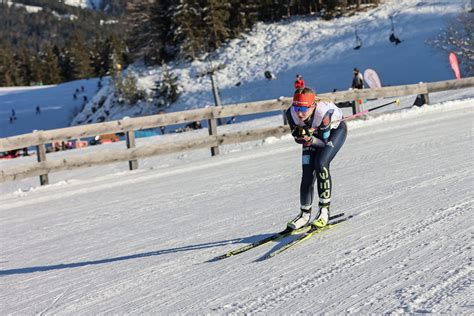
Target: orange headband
<point x="304" y="99"/>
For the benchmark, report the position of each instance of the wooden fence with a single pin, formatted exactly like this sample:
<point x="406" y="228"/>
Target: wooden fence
<point x="213" y="141"/>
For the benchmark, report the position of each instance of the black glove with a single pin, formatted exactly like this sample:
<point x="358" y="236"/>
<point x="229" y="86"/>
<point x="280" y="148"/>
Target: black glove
<point x="302" y="132"/>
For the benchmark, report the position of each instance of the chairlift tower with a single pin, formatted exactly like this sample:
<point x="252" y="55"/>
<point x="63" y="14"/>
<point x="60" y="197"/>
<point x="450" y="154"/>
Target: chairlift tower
<point x="215" y="89"/>
<point x="217" y="100"/>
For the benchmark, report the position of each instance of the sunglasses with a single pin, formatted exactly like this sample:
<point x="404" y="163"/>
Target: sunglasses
<point x="300" y="108"/>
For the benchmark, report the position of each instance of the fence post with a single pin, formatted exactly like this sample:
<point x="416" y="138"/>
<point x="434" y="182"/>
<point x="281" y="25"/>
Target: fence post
<point x="359" y="106"/>
<point x="217" y="98"/>
<point x="212" y="125"/>
<point x="427" y="98"/>
<point x="41" y="156"/>
<point x="132" y="164"/>
<point x="285" y="120"/>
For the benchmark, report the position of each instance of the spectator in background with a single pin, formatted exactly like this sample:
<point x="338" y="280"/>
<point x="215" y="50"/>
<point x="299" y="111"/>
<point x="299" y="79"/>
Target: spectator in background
<point x="357" y="80"/>
<point x="189" y="126"/>
<point x="231" y="120"/>
<point x="299" y="83"/>
<point x="162" y="128"/>
<point x="38" y="109"/>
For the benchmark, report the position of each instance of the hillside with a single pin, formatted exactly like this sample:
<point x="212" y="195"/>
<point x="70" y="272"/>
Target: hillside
<point x="321" y="51"/>
<point x="35" y="24"/>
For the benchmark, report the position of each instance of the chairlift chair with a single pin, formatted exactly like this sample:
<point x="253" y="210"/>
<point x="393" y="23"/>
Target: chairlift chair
<point x="392" y="38"/>
<point x="358" y="41"/>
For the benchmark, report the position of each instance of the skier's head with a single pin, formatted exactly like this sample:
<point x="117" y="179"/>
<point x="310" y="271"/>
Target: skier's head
<point x="304" y="102"/>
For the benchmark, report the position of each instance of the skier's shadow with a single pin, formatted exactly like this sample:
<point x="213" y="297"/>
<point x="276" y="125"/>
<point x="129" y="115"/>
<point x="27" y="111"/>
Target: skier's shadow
<point x="251" y="239"/>
<point x="279" y="244"/>
<point x="116" y="259"/>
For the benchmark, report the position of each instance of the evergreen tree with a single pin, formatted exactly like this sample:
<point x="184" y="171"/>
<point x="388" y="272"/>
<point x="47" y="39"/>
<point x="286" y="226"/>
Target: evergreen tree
<point x="130" y="91"/>
<point x="149" y="30"/>
<point x="216" y="16"/>
<point x="115" y="48"/>
<point x="96" y="56"/>
<point x="79" y="58"/>
<point x="187" y="28"/>
<point x="270" y="10"/>
<point x="64" y="60"/>
<point x="243" y="15"/>
<point x="37" y="71"/>
<point x="50" y="65"/>
<point x="166" y="90"/>
<point x="8" y="72"/>
<point x="23" y="63"/>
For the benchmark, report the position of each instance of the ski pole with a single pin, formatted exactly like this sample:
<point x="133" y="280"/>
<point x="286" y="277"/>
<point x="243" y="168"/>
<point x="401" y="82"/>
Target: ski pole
<point x="354" y="116"/>
<point x="397" y="101"/>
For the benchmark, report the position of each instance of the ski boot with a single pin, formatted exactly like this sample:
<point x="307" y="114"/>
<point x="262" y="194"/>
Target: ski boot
<point x="301" y="220"/>
<point x="322" y="218"/>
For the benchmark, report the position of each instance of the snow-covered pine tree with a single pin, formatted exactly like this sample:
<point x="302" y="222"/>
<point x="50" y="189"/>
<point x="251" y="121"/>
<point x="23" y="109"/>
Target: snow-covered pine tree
<point x="166" y="90"/>
<point x="130" y="91"/>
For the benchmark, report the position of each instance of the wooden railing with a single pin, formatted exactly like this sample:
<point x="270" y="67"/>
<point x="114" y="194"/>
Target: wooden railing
<point x="213" y="141"/>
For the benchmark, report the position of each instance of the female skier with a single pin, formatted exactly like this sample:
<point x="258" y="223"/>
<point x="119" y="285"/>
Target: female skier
<point x="317" y="125"/>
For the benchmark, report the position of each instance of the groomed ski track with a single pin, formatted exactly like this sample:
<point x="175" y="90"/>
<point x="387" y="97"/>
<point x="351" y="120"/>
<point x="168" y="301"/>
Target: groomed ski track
<point x="140" y="242"/>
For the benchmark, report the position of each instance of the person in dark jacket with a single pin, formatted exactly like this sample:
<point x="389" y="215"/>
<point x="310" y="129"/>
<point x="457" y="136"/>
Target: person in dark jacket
<point x="357" y="80"/>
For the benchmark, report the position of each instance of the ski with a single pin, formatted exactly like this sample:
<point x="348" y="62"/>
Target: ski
<point x="273" y="237"/>
<point x="307" y="235"/>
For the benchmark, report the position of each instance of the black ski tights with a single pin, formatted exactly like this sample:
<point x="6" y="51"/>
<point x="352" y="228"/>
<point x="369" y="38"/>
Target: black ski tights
<point x="316" y="162"/>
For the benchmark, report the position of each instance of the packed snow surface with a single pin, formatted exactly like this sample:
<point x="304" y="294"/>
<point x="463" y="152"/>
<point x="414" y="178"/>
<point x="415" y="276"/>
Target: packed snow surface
<point x="143" y="241"/>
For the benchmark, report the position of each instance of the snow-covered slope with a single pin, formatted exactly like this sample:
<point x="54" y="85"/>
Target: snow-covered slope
<point x="57" y="103"/>
<point x="29" y="8"/>
<point x="140" y="242"/>
<point x="90" y="4"/>
<point x="322" y="51"/>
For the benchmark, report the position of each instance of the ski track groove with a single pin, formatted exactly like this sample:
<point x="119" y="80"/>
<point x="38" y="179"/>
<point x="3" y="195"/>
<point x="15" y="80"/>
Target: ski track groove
<point x="387" y="243"/>
<point x="458" y="281"/>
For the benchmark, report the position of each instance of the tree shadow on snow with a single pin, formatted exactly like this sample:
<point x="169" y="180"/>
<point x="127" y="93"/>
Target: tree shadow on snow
<point x="121" y="258"/>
